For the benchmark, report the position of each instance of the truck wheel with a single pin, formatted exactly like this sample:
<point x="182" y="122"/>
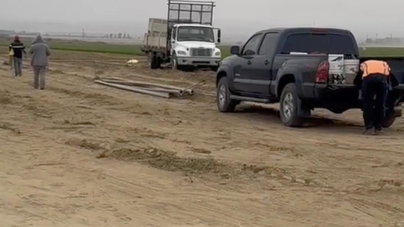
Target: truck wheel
<point x="149" y="57"/>
<point x="224" y="103"/>
<point x="388" y="120"/>
<point x="153" y="61"/>
<point x="290" y="106"/>
<point x="174" y="62"/>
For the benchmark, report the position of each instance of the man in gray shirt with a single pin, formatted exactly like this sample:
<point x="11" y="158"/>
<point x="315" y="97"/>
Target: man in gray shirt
<point x="39" y="61"/>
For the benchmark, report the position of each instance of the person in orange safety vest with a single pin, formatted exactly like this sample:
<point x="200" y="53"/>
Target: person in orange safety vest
<point x="375" y="82"/>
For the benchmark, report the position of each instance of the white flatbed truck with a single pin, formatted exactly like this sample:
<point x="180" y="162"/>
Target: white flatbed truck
<point x="185" y="38"/>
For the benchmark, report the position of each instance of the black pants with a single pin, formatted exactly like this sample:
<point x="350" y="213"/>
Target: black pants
<point x="374" y="111"/>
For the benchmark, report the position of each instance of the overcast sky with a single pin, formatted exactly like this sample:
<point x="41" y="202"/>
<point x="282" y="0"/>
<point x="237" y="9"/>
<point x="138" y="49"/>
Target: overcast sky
<point x="233" y="16"/>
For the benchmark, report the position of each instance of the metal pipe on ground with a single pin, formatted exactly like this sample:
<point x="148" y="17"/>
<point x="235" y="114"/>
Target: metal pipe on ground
<point x="134" y="89"/>
<point x="151" y="88"/>
<point x="189" y="91"/>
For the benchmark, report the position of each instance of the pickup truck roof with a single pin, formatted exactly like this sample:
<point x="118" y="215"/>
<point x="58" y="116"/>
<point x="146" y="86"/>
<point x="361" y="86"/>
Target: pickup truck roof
<point x="305" y="29"/>
<point x="341" y="40"/>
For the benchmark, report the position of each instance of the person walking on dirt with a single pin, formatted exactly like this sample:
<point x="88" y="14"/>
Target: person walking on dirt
<point x="39" y="61"/>
<point x="375" y="82"/>
<point x="17" y="48"/>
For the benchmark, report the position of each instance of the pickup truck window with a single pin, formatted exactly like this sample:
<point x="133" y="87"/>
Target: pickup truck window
<point x="341" y="43"/>
<point x="319" y="43"/>
<point x="268" y="44"/>
<point x="251" y="47"/>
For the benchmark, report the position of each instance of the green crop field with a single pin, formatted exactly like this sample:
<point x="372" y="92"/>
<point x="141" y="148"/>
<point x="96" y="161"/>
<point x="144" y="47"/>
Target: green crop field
<point x="126" y="49"/>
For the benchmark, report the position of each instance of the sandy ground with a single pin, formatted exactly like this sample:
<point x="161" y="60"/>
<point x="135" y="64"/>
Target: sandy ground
<point x="80" y="154"/>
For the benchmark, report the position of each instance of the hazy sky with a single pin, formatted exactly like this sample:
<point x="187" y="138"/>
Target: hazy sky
<point x="235" y="17"/>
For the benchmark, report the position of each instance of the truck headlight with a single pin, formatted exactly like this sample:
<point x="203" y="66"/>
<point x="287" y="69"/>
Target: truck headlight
<point x="218" y="54"/>
<point x="181" y="52"/>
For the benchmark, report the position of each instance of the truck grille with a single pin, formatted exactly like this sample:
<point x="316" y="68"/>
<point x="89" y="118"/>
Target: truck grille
<point x="201" y="52"/>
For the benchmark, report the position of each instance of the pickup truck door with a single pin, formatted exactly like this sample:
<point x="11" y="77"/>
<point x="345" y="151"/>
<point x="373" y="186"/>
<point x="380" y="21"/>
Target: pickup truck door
<point x="243" y="65"/>
<point x="259" y="71"/>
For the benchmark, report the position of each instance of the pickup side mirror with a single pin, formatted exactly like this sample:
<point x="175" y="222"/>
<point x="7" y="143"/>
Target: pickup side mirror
<point x="235" y="50"/>
<point x="219" y="34"/>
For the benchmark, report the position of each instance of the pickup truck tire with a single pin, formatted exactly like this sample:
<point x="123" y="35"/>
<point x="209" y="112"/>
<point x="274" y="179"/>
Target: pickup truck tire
<point x="388" y="120"/>
<point x="224" y="103"/>
<point x="290" y="106"/>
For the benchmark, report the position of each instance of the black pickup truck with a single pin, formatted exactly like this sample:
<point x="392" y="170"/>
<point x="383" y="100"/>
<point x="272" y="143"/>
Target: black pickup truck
<point x="268" y="70"/>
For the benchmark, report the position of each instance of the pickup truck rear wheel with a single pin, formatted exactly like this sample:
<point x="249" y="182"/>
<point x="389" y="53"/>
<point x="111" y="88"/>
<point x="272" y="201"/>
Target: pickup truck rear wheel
<point x="290" y="106"/>
<point x="224" y="103"/>
<point x="388" y="120"/>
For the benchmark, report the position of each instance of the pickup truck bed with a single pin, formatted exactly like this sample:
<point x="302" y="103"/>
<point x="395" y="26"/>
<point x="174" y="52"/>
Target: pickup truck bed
<point x="268" y="70"/>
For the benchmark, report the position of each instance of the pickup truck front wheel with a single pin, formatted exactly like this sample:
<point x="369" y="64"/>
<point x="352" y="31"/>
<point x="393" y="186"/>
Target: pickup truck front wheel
<point x="224" y="103"/>
<point x="290" y="106"/>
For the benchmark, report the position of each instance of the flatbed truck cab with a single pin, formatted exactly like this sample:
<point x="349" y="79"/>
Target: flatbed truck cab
<point x="185" y="39"/>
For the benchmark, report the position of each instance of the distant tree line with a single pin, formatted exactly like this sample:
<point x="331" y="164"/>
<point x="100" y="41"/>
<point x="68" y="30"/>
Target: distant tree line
<point x="118" y="36"/>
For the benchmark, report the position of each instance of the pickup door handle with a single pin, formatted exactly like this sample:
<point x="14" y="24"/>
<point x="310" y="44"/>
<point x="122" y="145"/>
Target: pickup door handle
<point x="248" y="62"/>
<point x="266" y="62"/>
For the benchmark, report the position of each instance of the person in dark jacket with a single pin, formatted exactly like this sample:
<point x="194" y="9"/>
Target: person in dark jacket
<point x="39" y="61"/>
<point x="18" y="49"/>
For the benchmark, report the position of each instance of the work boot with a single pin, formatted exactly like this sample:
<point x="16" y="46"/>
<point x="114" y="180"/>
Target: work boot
<point x="379" y="132"/>
<point x="367" y="132"/>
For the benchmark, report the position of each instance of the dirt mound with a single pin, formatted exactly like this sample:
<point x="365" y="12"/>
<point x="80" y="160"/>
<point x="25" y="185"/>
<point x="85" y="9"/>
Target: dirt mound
<point x="169" y="161"/>
<point x="166" y="160"/>
<point x="85" y="144"/>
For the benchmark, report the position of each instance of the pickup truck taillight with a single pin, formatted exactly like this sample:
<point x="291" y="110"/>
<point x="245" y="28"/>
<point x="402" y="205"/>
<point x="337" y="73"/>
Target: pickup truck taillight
<point x="322" y="72"/>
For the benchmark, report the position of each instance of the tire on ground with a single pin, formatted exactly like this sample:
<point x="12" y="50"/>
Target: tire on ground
<point x="174" y="62"/>
<point x="290" y="107"/>
<point x="388" y="120"/>
<point x="153" y="61"/>
<point x="223" y="101"/>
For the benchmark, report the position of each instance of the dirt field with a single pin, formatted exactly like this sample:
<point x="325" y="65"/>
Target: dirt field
<point x="80" y="154"/>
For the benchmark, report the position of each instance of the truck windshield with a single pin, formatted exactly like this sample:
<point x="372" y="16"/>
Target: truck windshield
<point x="193" y="33"/>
